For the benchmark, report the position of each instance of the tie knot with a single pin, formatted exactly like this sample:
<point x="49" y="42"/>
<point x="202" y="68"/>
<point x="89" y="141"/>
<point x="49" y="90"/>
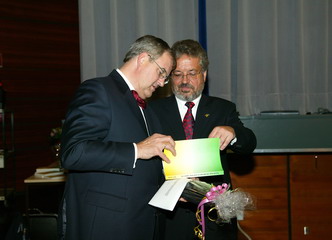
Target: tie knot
<point x="139" y="100"/>
<point x="190" y="105"/>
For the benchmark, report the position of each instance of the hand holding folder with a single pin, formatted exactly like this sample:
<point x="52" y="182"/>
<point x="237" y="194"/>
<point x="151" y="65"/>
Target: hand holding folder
<point x="194" y="158"/>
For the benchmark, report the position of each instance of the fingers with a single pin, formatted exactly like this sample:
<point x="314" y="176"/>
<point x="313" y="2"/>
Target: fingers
<point x="224" y="143"/>
<point x="181" y="199"/>
<point x="170" y="148"/>
<point x="164" y="158"/>
<point x="225" y="133"/>
<point x="154" y="146"/>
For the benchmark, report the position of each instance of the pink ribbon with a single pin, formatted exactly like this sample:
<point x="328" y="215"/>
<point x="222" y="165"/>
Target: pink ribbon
<point x="210" y="196"/>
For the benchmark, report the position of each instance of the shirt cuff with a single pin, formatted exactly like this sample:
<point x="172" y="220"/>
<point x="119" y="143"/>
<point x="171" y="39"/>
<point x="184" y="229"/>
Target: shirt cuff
<point x="233" y="141"/>
<point x="135" y="155"/>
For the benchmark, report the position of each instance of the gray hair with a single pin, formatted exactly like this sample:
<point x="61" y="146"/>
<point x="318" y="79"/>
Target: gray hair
<point x="152" y="45"/>
<point x="191" y="48"/>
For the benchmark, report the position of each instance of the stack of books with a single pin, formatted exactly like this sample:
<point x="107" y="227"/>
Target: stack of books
<point x="50" y="172"/>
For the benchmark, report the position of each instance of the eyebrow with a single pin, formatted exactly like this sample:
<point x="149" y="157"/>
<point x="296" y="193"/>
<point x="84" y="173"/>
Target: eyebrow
<point x="175" y="70"/>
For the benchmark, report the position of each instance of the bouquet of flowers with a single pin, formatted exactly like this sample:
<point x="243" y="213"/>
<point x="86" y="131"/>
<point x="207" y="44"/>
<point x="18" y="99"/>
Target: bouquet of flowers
<point x="227" y="203"/>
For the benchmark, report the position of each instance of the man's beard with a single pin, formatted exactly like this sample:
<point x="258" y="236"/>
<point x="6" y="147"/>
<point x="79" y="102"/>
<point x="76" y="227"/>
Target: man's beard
<point x="183" y="96"/>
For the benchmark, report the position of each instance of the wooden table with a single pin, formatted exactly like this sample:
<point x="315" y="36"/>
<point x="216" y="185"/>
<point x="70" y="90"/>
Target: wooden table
<point x="53" y="188"/>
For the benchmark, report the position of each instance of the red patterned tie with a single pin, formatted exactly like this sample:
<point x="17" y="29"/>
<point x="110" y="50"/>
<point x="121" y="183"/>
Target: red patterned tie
<point x="139" y="100"/>
<point x="188" y="121"/>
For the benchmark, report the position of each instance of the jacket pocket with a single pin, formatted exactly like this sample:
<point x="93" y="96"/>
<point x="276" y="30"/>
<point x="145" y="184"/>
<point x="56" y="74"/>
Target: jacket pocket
<point x="106" y="200"/>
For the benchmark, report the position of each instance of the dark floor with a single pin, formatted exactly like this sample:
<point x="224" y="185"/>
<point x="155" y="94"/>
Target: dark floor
<point x="23" y="211"/>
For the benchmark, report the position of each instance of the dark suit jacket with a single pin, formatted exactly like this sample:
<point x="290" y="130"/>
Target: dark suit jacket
<point x="211" y="112"/>
<point x="105" y="197"/>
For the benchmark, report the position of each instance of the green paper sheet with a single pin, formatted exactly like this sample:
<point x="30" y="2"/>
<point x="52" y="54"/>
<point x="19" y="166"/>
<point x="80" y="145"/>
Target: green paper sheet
<point x="194" y="158"/>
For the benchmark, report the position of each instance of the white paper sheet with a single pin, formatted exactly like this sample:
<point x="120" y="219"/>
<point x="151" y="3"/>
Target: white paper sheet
<point x="169" y="193"/>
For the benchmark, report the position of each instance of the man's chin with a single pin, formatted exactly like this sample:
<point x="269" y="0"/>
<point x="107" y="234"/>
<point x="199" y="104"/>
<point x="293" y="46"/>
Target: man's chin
<point x="184" y="97"/>
<point x="149" y="94"/>
<point x="152" y="90"/>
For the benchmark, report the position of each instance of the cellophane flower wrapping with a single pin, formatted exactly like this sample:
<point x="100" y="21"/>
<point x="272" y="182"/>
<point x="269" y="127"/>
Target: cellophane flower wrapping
<point x="227" y="203"/>
<point x="233" y="203"/>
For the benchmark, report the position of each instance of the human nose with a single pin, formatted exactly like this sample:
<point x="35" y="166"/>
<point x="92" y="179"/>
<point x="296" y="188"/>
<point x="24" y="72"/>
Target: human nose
<point x="161" y="82"/>
<point x="185" y="78"/>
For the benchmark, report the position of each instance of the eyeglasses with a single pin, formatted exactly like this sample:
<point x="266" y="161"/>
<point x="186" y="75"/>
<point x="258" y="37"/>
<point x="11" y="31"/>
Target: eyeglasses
<point x="192" y="75"/>
<point x="162" y="72"/>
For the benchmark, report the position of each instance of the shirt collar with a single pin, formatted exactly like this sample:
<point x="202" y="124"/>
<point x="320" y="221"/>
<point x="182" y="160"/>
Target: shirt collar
<point x="182" y="102"/>
<point x="183" y="108"/>
<point x="131" y="87"/>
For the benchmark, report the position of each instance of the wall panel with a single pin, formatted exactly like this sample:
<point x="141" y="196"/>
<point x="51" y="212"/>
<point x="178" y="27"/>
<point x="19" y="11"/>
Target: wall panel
<point x="39" y="43"/>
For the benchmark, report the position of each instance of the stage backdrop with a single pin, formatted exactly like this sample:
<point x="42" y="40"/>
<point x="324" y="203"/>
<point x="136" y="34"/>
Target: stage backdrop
<point x="264" y="54"/>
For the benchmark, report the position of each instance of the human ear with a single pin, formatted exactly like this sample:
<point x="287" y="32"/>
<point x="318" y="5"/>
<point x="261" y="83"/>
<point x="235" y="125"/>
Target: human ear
<point x="204" y="75"/>
<point x="142" y="58"/>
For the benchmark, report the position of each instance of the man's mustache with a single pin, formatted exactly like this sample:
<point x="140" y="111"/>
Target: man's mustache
<point x="186" y="85"/>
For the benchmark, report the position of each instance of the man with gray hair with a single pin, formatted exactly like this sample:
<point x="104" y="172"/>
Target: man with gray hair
<point x="112" y="148"/>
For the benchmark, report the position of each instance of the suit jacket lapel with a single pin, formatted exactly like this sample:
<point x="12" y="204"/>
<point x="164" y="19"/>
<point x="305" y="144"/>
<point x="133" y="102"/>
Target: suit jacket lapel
<point x="135" y="108"/>
<point x="175" y="119"/>
<point x="203" y="117"/>
<point x="128" y="96"/>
